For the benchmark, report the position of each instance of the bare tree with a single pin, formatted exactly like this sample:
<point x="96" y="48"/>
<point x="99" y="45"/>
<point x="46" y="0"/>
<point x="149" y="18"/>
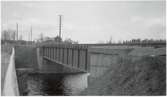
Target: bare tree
<point x="8" y="35"/>
<point x="110" y="40"/>
<point x="58" y="39"/>
<point x="70" y="41"/>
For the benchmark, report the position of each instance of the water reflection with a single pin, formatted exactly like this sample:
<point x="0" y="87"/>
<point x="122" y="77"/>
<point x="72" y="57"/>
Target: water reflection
<point x="56" y="84"/>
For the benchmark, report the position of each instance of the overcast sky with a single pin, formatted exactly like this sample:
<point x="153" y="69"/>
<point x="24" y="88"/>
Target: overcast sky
<point x="87" y="22"/>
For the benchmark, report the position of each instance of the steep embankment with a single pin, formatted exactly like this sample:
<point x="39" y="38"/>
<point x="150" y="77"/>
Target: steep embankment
<point x="144" y="76"/>
<point x="26" y="57"/>
<point x="132" y="75"/>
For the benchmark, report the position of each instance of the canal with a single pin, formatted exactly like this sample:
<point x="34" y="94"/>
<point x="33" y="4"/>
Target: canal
<point x="52" y="84"/>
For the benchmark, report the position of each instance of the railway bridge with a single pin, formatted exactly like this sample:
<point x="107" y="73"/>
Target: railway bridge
<point x="81" y="57"/>
<point x="74" y="56"/>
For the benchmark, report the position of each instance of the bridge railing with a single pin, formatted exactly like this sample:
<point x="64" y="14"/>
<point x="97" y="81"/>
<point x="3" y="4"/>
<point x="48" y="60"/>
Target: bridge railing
<point x="73" y="55"/>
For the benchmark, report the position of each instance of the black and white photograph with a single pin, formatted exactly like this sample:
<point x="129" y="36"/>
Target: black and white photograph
<point x="83" y="48"/>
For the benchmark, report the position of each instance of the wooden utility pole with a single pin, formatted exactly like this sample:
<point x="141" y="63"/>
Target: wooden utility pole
<point x="14" y="35"/>
<point x="31" y="34"/>
<point x="60" y="27"/>
<point x="17" y="31"/>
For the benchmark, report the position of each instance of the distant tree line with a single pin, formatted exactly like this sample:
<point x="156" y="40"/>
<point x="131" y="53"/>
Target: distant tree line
<point x="138" y="41"/>
<point x="145" y="41"/>
<point x="56" y="39"/>
<point x="10" y="36"/>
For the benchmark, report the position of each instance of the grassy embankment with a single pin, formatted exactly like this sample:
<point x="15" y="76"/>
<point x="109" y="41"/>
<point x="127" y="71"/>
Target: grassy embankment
<point x="133" y="75"/>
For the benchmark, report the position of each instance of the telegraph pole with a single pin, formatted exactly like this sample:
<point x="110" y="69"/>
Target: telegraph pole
<point x="60" y="17"/>
<point x="17" y="31"/>
<point x="31" y="34"/>
<point x="14" y="35"/>
<point x="28" y="36"/>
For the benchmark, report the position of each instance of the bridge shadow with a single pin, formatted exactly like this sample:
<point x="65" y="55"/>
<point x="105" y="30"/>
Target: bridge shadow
<point x="53" y="67"/>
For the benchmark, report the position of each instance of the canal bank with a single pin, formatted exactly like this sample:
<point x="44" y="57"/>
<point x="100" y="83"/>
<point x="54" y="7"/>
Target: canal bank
<point x="137" y="71"/>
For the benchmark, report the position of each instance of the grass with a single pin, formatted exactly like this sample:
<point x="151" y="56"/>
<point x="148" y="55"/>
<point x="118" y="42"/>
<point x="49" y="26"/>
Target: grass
<point x="132" y="76"/>
<point x="145" y="76"/>
<point x="25" y="57"/>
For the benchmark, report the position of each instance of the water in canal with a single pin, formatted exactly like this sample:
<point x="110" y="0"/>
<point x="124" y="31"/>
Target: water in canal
<point x="56" y="84"/>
